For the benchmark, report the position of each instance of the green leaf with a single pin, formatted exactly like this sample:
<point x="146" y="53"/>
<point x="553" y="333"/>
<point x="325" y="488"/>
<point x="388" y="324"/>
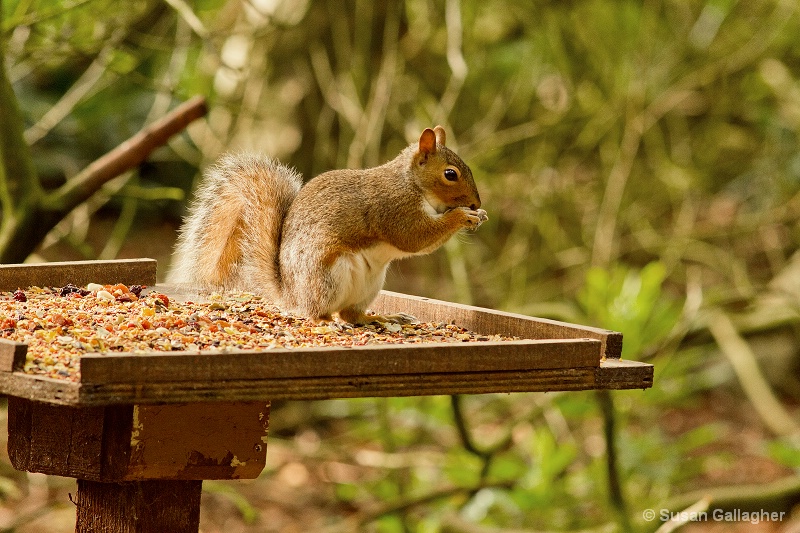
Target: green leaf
<point x="785" y="452"/>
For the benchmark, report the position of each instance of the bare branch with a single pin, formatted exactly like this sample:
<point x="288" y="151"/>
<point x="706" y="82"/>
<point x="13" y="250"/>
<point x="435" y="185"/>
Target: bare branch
<point x="368" y="133"/>
<point x="685" y="516"/>
<point x="79" y="90"/>
<point x="755" y="385"/>
<point x="188" y="15"/>
<point x="125" y="156"/>
<point x="777" y="495"/>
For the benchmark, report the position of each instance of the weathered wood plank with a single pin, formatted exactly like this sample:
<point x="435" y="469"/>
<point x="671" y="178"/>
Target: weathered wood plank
<point x="55" y="439"/>
<point x="31" y="387"/>
<point x="610" y="375"/>
<point x="12" y="355"/>
<point x="323" y="362"/>
<point x="138" y="507"/>
<point x="20" y="418"/>
<point x="118" y="428"/>
<point x="615" y="374"/>
<point x="128" y="271"/>
<point x="491" y="322"/>
<point x="221" y="440"/>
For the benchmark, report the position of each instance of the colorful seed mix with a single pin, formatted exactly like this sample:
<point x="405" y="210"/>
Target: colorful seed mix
<point x="61" y="324"/>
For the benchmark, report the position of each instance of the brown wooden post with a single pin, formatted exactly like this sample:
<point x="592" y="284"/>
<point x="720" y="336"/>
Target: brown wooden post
<point x="157" y="506"/>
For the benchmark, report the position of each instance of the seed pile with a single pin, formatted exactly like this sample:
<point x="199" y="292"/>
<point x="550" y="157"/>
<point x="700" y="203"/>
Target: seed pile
<point x="61" y="324"/>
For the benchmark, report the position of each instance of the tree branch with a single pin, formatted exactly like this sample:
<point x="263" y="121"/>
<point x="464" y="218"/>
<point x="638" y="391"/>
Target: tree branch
<point x="86" y="83"/>
<point x="752" y="380"/>
<point x="684" y="516"/>
<point x="486" y="454"/>
<point x="779" y="495"/>
<point x="19" y="184"/>
<point x="127" y="155"/>
<point x="407" y="503"/>
<point x="22" y="232"/>
<point x="615" y="489"/>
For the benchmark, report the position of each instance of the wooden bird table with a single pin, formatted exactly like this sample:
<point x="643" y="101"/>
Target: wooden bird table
<point x="141" y="431"/>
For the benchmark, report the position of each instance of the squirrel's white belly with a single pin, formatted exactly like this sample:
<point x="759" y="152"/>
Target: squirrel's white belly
<point x="359" y="276"/>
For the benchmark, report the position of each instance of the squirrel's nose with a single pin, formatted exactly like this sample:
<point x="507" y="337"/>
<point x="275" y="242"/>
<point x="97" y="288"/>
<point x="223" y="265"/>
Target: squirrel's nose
<point x="477" y="203"/>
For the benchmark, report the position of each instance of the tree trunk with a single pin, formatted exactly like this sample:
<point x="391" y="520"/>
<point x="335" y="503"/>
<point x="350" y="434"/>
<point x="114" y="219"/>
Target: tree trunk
<point x="20" y="190"/>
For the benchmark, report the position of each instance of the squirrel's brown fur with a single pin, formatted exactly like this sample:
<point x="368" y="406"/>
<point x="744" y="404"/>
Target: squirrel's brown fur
<point x="323" y="249"/>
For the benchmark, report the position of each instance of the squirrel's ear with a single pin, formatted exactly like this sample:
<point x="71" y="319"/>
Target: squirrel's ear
<point x="441" y="137"/>
<point x="427" y="142"/>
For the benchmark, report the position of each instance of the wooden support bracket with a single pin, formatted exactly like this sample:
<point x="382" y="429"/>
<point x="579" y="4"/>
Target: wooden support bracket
<point x="224" y="440"/>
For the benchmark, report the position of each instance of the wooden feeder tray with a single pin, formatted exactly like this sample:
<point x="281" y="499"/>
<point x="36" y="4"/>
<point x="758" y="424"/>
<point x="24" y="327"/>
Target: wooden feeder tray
<point x="141" y="431"/>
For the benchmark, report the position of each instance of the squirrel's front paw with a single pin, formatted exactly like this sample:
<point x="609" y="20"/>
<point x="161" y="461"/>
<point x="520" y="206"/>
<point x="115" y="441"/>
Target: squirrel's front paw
<point x="474" y="218"/>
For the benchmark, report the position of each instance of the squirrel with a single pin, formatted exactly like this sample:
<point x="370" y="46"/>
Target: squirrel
<point x="322" y="250"/>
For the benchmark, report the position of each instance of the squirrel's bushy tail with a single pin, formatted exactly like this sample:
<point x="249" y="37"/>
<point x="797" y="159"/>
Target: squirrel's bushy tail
<point x="231" y="236"/>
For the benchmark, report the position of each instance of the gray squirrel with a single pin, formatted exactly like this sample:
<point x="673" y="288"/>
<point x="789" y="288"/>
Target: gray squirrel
<point x="323" y="249"/>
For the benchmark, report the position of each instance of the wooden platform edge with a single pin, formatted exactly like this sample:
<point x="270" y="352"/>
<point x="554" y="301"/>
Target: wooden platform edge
<point x="57" y="274"/>
<point x="40" y="388"/>
<point x="611" y="374"/>
<point x="348" y="362"/>
<point x="615" y="375"/>
<point x="618" y="374"/>
<point x="493" y="322"/>
<point x="12" y="355"/>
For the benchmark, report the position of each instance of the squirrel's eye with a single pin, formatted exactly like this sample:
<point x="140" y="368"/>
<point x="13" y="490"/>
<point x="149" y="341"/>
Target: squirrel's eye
<point x="450" y="174"/>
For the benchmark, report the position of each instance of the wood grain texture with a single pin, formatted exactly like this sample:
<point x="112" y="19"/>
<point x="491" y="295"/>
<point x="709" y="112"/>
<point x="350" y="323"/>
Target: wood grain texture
<point x="138" y="507"/>
<point x="42" y="438"/>
<point x="128" y="271"/>
<point x="616" y="374"/>
<point x="31" y="387"/>
<point x="491" y="322"/>
<point x="610" y="375"/>
<point x="324" y="362"/>
<point x="221" y="440"/>
<point x="12" y="355"/>
<point x="20" y="417"/>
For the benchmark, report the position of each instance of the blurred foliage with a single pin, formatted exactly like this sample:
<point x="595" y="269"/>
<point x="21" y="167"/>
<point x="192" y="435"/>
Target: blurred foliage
<point x="633" y="302"/>
<point x="640" y="162"/>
